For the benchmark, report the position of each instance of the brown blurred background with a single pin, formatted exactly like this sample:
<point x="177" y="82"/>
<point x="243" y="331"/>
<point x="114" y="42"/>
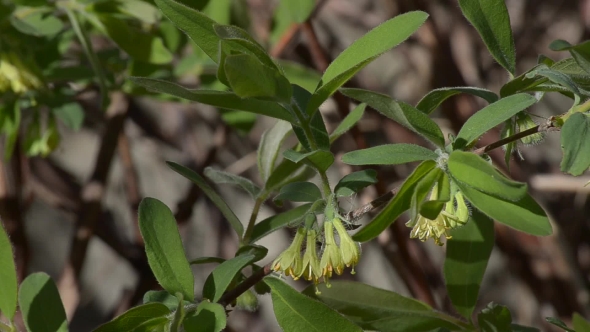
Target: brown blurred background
<point x="98" y="175"/>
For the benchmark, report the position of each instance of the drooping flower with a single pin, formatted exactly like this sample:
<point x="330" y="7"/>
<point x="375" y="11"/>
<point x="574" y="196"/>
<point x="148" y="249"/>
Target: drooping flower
<point x="311" y="270"/>
<point x="455" y="214"/>
<point x="349" y="249"/>
<point x="289" y="261"/>
<point x="331" y="257"/>
<point x="17" y="74"/>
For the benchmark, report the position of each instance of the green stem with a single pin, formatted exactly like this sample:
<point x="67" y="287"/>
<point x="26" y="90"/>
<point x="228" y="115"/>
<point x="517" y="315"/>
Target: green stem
<point x="90" y="54"/>
<point x="253" y="216"/>
<point x="325" y="184"/>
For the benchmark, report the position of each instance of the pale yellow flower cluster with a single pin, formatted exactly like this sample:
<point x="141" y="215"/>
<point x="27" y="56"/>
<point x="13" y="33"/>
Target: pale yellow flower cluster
<point x="335" y="255"/>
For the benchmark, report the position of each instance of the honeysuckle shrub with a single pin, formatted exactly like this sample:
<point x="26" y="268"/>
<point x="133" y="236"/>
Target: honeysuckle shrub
<point x="452" y="197"/>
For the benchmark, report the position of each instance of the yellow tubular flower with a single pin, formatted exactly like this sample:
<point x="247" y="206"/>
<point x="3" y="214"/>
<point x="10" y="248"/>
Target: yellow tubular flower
<point x="311" y="263"/>
<point x="17" y="75"/>
<point x="289" y="261"/>
<point x="331" y="257"/>
<point x="349" y="249"/>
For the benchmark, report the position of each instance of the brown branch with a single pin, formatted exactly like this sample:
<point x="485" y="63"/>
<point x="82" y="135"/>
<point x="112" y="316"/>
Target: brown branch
<point x="252" y="280"/>
<point x="92" y="195"/>
<point x="549" y="126"/>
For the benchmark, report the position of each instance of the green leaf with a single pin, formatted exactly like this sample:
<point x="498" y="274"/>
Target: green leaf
<point x="364" y="50"/>
<point x="196" y="25"/>
<point x="559" y="323"/>
<point x="248" y="77"/>
<point x="298" y="10"/>
<point x="491" y="116"/>
<point x="41" y="305"/>
<point x="494" y="318"/>
<point x="209" y="317"/>
<point x="466" y="260"/>
<point x="259" y="252"/>
<point x="163" y="297"/>
<point x="580" y="52"/>
<point x="354" y="182"/>
<point x="215" y="98"/>
<point x="218" y="281"/>
<point x="164" y="249"/>
<point x="299" y="192"/>
<point x="400" y="112"/>
<point x="218" y="176"/>
<point x="71" y="114"/>
<point x="575" y="144"/>
<point x="297" y="312"/>
<point x="211" y="194"/>
<point x="139" y="45"/>
<point x="320" y="159"/>
<point x="400" y="203"/>
<point x="348" y="122"/>
<point x="378" y="309"/>
<point x="471" y="170"/>
<point x="520" y="328"/>
<point x="490" y="18"/>
<point x="39" y="21"/>
<point x="524" y="215"/>
<point x="580" y="324"/>
<point x="556" y="77"/>
<point x="278" y="221"/>
<point x="143" y="318"/>
<point x="573" y="70"/>
<point x="268" y="149"/>
<point x="8" y="283"/>
<point x="435" y="97"/>
<point x="389" y="154"/>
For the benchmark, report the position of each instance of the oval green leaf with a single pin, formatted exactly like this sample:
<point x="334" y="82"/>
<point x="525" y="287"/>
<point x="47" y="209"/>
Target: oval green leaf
<point x="142" y="318"/>
<point x="524" y="215"/>
<point x="490" y="18"/>
<point x="491" y="116"/>
<point x="466" y="260"/>
<point x="8" y="283"/>
<point x="377" y="309"/>
<point x="297" y="312"/>
<point x="400" y="112"/>
<point x="164" y="249"/>
<point x="364" y="50"/>
<point x="470" y="169"/>
<point x="389" y="154"/>
<point x="218" y="281"/>
<point x="41" y="305"/>
<point x="400" y="203"/>
<point x="320" y="159"/>
<point x="575" y="144"/>
<point x="211" y="194"/>
<point x="435" y="97"/>
<point x="215" y="98"/>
